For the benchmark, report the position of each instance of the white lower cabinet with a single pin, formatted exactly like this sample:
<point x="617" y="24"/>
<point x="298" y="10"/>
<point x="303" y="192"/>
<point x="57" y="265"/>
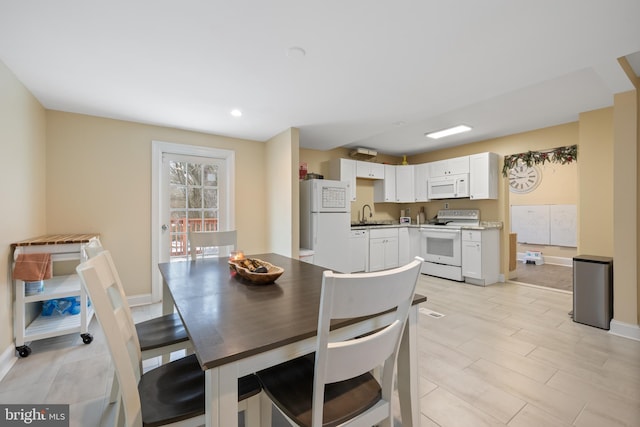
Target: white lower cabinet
<point x="404" y="247"/>
<point x="383" y="248"/>
<point x="414" y="243"/>
<point x="481" y="256"/>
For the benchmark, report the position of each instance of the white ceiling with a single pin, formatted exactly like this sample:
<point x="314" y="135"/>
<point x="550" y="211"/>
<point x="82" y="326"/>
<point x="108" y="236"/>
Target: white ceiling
<point x="377" y="74"/>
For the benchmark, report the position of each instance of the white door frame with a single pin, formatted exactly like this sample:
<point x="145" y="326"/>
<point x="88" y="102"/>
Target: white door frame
<point x="158" y="148"/>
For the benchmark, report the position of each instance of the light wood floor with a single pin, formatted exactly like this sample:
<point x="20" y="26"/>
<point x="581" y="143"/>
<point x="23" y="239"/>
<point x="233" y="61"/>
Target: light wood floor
<point x="547" y="275"/>
<point x="504" y="355"/>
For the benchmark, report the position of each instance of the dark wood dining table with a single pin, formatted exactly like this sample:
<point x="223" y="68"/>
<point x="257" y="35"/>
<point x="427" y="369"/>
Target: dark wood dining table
<point x="237" y="328"/>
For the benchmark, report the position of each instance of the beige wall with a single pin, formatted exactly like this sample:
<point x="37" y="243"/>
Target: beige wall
<point x="595" y="168"/>
<point x="282" y="193"/>
<point x="23" y="188"/>
<point x="625" y="199"/>
<point x="99" y="180"/>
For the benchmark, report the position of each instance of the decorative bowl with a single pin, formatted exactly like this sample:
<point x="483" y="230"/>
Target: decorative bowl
<point x="244" y="269"/>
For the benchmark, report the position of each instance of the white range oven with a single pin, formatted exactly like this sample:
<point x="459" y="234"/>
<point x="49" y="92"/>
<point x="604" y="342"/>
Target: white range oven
<point x="441" y="242"/>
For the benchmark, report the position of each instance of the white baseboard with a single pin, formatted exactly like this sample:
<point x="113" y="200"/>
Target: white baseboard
<point x="7" y="359"/>
<point x="625" y="330"/>
<point x="137" y="300"/>
<point x="555" y="260"/>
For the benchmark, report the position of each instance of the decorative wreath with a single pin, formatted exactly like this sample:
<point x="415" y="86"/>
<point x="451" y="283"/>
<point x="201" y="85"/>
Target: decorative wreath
<point x="561" y="155"/>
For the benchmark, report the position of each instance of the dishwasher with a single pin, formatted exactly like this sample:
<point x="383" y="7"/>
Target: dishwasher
<point x="358" y="250"/>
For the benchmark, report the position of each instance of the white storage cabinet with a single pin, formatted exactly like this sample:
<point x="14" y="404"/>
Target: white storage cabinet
<point x="369" y="170"/>
<point x="344" y="170"/>
<point x="383" y="248"/>
<point x="421" y="177"/>
<point x="454" y="166"/>
<point x="405" y="184"/>
<point x="481" y="256"/>
<point x="384" y="191"/>
<point x="68" y="247"/>
<point x="404" y="246"/>
<point x="483" y="176"/>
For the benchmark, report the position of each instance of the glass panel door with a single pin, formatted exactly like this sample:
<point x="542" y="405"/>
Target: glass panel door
<point x="195" y="186"/>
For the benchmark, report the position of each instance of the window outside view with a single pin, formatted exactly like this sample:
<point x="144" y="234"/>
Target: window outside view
<point x="193" y="203"/>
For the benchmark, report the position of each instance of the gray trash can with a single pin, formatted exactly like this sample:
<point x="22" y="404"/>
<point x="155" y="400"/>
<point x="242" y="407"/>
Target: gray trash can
<point x="593" y="290"/>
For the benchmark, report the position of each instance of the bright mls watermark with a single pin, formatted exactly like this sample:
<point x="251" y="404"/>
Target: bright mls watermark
<point x="34" y="415"/>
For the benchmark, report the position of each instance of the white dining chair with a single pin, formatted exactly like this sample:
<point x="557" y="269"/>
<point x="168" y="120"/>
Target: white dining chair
<point x="335" y="386"/>
<point x="209" y="239"/>
<point x="169" y="394"/>
<point x="159" y="336"/>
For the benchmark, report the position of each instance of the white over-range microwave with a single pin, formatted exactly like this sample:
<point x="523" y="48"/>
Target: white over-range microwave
<point x="449" y="187"/>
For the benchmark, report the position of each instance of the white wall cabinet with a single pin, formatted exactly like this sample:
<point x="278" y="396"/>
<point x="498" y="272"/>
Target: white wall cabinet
<point x="421" y="176"/>
<point x="383" y="249"/>
<point x="62" y="247"/>
<point x="452" y="166"/>
<point x="384" y="191"/>
<point x="370" y="170"/>
<point x="481" y="256"/>
<point x="397" y="185"/>
<point x="344" y="170"/>
<point x="483" y="176"/>
<point x="405" y="183"/>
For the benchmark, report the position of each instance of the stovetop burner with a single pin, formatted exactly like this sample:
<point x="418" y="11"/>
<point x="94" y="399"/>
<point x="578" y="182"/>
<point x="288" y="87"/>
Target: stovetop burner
<point x="456" y="218"/>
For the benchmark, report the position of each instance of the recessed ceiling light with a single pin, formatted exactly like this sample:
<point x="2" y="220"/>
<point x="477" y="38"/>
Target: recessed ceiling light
<point x="236" y="113"/>
<point x="399" y="123"/>
<point x="446" y="132"/>
<point x="296" y="52"/>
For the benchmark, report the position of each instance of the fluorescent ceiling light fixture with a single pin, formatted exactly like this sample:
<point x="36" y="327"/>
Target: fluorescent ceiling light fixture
<point x="236" y="113"/>
<point x="446" y="132"/>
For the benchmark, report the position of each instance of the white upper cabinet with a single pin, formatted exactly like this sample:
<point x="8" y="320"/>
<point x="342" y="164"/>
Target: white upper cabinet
<point x="405" y="184"/>
<point x="370" y="170"/>
<point x="446" y="167"/>
<point x="421" y="176"/>
<point x="384" y="191"/>
<point x="344" y="170"/>
<point x="483" y="177"/>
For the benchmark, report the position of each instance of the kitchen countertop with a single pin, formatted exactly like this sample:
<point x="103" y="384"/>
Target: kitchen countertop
<point x="358" y="226"/>
<point x="484" y="225"/>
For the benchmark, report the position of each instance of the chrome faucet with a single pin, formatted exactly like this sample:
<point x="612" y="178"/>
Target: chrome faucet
<point x="364" y="218"/>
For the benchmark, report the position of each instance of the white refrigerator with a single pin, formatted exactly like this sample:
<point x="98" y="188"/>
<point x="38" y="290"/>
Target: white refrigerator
<point x="325" y="222"/>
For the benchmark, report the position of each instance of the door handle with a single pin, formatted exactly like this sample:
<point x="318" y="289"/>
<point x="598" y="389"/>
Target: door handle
<point x="164" y="227"/>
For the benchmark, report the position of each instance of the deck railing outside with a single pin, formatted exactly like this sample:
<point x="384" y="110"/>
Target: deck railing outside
<point x="179" y="229"/>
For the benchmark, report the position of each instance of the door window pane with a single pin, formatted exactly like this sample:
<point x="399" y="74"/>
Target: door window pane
<point x="195" y="197"/>
<point x="194" y="174"/>
<point x="194" y="200"/>
<point x="177" y="172"/>
<point x="178" y="198"/>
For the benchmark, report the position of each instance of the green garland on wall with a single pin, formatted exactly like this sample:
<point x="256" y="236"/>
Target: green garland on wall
<point x="561" y="155"/>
